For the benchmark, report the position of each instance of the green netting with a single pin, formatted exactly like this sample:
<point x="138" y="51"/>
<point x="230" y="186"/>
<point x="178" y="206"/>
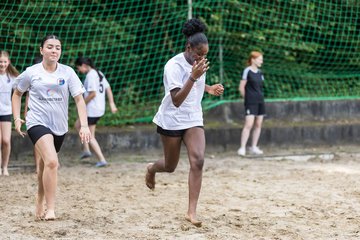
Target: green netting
<point x="311" y="48"/>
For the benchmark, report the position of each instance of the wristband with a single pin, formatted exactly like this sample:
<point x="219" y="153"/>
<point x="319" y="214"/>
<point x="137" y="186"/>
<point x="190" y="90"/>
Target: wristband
<point x="84" y="126"/>
<point x="192" y="79"/>
<point x="17" y="119"/>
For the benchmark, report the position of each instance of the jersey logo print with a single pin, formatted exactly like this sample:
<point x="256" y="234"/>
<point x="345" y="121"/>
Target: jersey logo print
<point x="61" y="81"/>
<point x="51" y="92"/>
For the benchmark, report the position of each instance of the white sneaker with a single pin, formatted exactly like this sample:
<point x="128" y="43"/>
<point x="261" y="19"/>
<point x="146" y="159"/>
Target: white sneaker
<point x="241" y="152"/>
<point x="255" y="150"/>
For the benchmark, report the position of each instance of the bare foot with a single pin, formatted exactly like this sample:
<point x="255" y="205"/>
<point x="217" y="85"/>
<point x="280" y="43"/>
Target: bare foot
<point x="193" y="221"/>
<point x="5" y="172"/>
<point x="50" y="215"/>
<point x="39" y="211"/>
<point x="150" y="177"/>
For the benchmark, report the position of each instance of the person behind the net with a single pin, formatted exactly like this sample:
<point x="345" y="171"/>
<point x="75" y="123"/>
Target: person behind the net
<point x="50" y="84"/>
<point x="8" y="73"/>
<point x="251" y="89"/>
<point x="97" y="87"/>
<point x="180" y="117"/>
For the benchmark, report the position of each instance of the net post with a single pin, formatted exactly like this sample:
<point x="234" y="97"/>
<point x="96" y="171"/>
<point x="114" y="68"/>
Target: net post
<point x="189" y="9"/>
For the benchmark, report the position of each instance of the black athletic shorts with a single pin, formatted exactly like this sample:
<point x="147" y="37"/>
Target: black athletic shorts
<point x="36" y="132"/>
<point x="93" y="120"/>
<point x="5" y="118"/>
<point x="173" y="133"/>
<point x="256" y="109"/>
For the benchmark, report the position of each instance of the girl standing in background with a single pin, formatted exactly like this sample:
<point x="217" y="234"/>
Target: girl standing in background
<point x="251" y="89"/>
<point x="8" y="73"/>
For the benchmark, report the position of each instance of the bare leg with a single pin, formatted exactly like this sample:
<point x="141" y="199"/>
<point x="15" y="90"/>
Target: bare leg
<point x="45" y="146"/>
<point x="1" y="170"/>
<point x="85" y="146"/>
<point x="257" y="130"/>
<point x="249" y="122"/>
<point x="172" y="146"/>
<point x="194" y="140"/>
<point x="5" y="146"/>
<point x="39" y="212"/>
<point x="95" y="145"/>
<point x="37" y="158"/>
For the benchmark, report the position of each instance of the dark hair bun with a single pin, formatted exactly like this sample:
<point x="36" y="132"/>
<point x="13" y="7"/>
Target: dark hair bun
<point x="192" y="27"/>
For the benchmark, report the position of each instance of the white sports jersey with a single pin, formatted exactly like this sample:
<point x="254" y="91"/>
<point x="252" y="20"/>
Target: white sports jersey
<point x="7" y="84"/>
<point x="189" y="114"/>
<point x="96" y="107"/>
<point x="49" y="95"/>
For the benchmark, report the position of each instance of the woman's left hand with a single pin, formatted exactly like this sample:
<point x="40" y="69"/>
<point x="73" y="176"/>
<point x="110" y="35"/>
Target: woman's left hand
<point x="113" y="108"/>
<point x="85" y="134"/>
<point x="216" y="89"/>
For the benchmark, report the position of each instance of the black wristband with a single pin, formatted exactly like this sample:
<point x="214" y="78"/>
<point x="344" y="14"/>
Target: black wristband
<point x="192" y="79"/>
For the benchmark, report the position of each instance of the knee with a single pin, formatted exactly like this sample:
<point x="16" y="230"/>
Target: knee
<point x="198" y="162"/>
<point x="257" y="125"/>
<point x="5" y="142"/>
<point x="52" y="164"/>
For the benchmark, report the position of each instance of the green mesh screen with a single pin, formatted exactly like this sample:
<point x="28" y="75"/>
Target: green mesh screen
<point x="311" y="48"/>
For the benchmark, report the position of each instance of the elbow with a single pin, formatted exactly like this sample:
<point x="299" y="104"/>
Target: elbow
<point x="176" y="103"/>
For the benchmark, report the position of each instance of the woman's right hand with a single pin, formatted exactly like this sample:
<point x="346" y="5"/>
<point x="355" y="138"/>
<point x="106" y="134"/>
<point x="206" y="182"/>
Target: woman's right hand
<point x="18" y="123"/>
<point x="85" y="134"/>
<point x="199" y="68"/>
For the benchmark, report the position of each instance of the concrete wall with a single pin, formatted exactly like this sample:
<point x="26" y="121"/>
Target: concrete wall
<point x="287" y="123"/>
<point x="294" y="111"/>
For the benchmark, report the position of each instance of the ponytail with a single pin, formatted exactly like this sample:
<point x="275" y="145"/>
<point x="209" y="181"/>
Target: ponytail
<point x="85" y="60"/>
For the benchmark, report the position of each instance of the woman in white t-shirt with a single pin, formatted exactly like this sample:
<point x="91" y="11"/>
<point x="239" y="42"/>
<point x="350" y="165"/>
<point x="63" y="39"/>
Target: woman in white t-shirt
<point x="8" y="73"/>
<point x="180" y="118"/>
<point x="96" y="86"/>
<point x="49" y="84"/>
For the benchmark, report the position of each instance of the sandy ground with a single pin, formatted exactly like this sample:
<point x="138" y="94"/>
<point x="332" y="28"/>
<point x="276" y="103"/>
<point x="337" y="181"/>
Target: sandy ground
<point x="241" y="198"/>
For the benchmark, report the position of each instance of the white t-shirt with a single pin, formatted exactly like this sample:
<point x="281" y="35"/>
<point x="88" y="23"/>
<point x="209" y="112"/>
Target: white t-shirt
<point x="49" y="95"/>
<point x="189" y="114"/>
<point x="96" y="107"/>
<point x="7" y="84"/>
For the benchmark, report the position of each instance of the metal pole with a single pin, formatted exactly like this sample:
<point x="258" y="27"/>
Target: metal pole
<point x="189" y="9"/>
<point x="221" y="55"/>
<point x="221" y="61"/>
<point x="221" y="66"/>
